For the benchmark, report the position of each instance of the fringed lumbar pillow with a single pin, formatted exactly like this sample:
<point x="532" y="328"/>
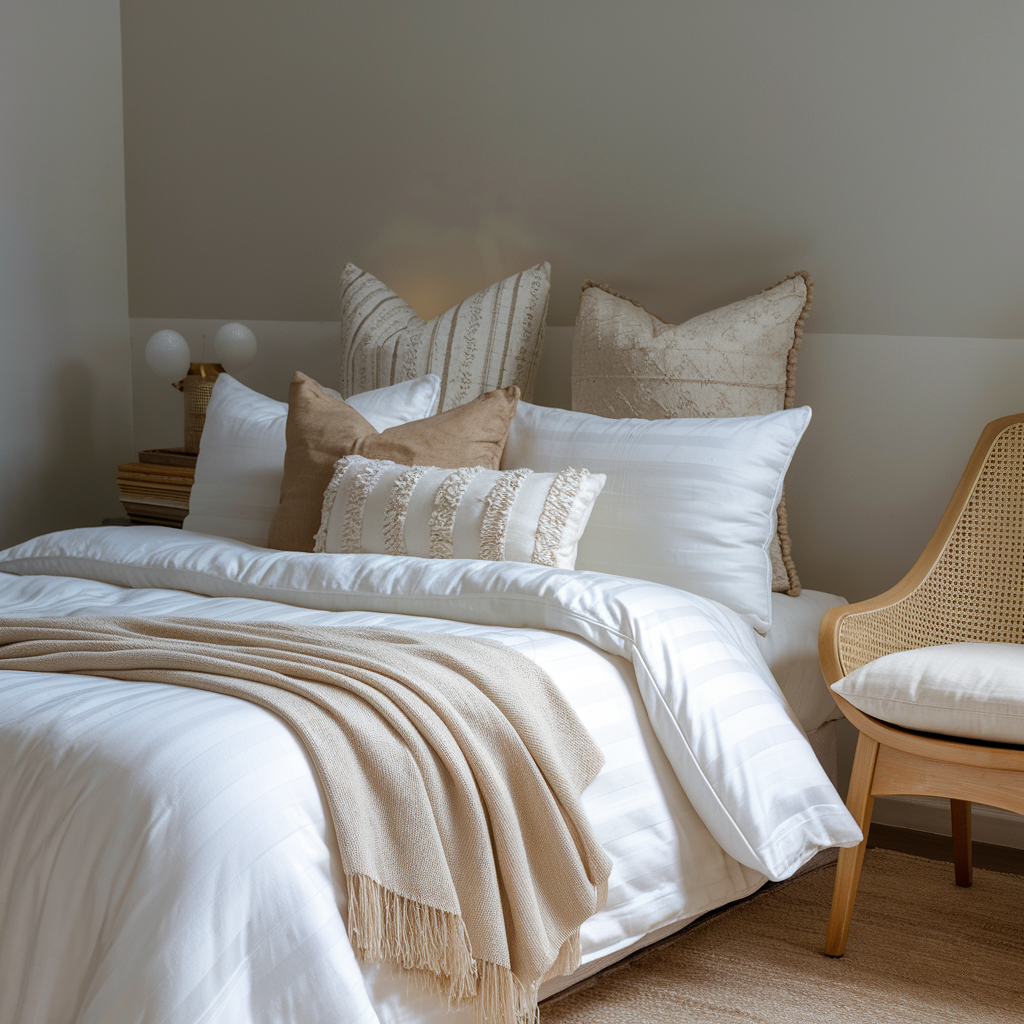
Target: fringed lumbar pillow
<point x="383" y="507"/>
<point x="739" y="360"/>
<point x="488" y="341"/>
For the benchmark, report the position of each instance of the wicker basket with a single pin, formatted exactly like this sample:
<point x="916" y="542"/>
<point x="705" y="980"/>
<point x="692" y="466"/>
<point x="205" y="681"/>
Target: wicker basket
<point x="197" y="387"/>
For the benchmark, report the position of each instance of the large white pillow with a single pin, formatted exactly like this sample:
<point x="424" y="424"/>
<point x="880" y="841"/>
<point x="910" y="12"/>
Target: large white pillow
<point x="974" y="691"/>
<point x="688" y="502"/>
<point x="241" y="455"/>
<point x="382" y="507"/>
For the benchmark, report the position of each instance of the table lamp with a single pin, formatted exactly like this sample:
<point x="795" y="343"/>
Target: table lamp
<point x="168" y="356"/>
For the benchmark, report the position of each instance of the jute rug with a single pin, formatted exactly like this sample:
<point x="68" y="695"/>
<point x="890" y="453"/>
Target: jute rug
<point x="921" y="950"/>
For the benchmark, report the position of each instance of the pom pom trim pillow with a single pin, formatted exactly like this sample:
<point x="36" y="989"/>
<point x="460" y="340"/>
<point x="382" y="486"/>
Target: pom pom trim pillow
<point x="382" y="507"/>
<point x="688" y="502"/>
<point x="490" y="340"/>
<point x="739" y="360"/>
<point x="241" y="455"/>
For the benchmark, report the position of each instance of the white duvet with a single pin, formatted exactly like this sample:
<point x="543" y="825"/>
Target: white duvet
<point x="164" y="854"/>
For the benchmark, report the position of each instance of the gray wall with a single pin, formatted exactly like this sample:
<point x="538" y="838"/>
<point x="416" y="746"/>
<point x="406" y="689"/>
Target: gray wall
<point x="687" y="152"/>
<point x="65" y="385"/>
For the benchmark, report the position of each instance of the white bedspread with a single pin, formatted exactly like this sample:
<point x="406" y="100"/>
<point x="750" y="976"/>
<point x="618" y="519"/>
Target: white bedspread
<point x="165" y="855"/>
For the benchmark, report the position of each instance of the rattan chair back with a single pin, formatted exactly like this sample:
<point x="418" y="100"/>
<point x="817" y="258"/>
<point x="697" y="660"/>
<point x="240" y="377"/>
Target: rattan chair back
<point x="973" y="590"/>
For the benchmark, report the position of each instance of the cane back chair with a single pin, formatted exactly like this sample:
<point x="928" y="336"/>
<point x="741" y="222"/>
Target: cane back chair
<point x="967" y="587"/>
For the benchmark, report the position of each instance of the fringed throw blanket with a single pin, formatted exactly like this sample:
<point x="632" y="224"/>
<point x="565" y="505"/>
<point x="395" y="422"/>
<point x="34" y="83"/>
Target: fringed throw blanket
<point x="452" y="768"/>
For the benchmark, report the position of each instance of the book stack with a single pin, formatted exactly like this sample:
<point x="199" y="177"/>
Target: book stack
<point x="155" y="490"/>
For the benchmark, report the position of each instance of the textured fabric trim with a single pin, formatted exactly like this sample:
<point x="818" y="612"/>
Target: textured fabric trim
<point x="446" y="505"/>
<point x="498" y="511"/>
<point x="359" y="490"/>
<point x="625" y="298"/>
<point x="320" y="540"/>
<point x="558" y="505"/>
<point x="786" y="546"/>
<point x="397" y="508"/>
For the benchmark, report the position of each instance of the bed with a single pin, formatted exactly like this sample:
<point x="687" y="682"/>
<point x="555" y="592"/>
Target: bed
<point x="166" y="854"/>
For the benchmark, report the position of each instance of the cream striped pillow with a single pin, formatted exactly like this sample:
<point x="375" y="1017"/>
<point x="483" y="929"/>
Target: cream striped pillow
<point x="383" y="507"/>
<point x="488" y="341"/>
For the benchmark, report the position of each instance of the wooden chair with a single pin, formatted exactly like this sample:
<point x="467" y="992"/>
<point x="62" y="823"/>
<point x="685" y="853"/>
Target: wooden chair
<point x="967" y="587"/>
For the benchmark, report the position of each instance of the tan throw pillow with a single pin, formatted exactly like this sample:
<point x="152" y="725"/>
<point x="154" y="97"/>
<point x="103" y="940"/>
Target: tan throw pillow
<point x="322" y="429"/>
<point x="490" y="340"/>
<point x="739" y="360"/>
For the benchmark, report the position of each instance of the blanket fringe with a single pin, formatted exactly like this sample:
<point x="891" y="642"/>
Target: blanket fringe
<point x="502" y="998"/>
<point x="568" y="957"/>
<point x="382" y="925"/>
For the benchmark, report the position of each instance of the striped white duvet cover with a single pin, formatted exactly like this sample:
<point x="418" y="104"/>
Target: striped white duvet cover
<point x="164" y="853"/>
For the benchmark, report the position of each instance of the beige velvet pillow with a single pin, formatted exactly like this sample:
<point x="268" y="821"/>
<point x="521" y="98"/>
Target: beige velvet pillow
<point x="322" y="429"/>
<point x="490" y="340"/>
<point x="739" y="360"/>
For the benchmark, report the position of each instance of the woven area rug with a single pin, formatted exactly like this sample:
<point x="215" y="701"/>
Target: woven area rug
<point x="921" y="950"/>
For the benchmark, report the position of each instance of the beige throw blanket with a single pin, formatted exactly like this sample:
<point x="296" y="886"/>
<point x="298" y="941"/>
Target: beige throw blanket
<point x="452" y="769"/>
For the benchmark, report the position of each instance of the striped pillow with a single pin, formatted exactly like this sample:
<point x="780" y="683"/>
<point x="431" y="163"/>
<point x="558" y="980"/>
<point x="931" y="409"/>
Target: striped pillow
<point x="488" y="341"/>
<point x="383" y="507"/>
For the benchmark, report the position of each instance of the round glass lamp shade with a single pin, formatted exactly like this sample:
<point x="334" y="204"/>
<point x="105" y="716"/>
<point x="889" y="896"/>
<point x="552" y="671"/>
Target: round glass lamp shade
<point x="235" y="346"/>
<point x="168" y="355"/>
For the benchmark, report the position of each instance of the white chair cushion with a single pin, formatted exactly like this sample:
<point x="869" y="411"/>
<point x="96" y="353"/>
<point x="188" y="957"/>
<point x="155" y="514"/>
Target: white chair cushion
<point x="971" y="691"/>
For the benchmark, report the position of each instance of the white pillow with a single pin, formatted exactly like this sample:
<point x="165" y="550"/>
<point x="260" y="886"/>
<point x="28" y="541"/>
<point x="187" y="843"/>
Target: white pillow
<point x="241" y="455"/>
<point x="689" y="502"/>
<point x="385" y="508"/>
<point x="974" y="691"/>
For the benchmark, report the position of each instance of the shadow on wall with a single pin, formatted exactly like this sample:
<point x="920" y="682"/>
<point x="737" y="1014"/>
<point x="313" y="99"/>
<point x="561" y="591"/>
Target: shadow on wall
<point x="434" y="268"/>
<point x="73" y="485"/>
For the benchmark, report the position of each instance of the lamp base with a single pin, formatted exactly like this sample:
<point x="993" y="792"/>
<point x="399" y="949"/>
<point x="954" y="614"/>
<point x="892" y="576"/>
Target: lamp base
<point x="197" y="386"/>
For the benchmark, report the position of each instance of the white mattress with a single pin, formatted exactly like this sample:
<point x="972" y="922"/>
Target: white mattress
<point x="790" y="649"/>
<point x="166" y="854"/>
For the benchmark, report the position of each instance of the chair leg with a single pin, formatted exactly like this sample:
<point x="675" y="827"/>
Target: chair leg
<point x="860" y="802"/>
<point x="960" y="814"/>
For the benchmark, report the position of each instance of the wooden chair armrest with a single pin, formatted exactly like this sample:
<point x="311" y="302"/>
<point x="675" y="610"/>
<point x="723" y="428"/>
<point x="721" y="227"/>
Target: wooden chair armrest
<point x="855" y="634"/>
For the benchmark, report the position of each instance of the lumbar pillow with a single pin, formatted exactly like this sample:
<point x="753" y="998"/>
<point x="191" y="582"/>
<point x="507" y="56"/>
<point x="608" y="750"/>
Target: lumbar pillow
<point x="488" y="341"/>
<point x="739" y="360"/>
<point x="241" y="456"/>
<point x="973" y="691"/>
<point x="384" y="507"/>
<point x="322" y="429"/>
<point x="688" y="502"/>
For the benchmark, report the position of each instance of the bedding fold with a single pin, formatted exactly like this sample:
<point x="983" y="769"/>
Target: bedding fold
<point x="452" y="769"/>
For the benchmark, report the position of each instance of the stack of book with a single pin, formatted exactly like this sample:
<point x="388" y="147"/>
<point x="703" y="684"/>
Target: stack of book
<point x="155" y="490"/>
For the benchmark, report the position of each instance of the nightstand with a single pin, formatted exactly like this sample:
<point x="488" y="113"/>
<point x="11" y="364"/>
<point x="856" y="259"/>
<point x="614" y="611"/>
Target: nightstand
<point x="155" y="490"/>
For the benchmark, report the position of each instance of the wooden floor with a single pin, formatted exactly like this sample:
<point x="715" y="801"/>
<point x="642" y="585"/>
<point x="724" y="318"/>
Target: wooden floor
<point x="927" y="844"/>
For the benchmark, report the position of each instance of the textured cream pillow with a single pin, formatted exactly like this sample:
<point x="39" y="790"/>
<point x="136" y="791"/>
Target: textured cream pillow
<point x="739" y="360"/>
<point x="518" y="516"/>
<point x="322" y="429"/>
<point x="490" y="340"/>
